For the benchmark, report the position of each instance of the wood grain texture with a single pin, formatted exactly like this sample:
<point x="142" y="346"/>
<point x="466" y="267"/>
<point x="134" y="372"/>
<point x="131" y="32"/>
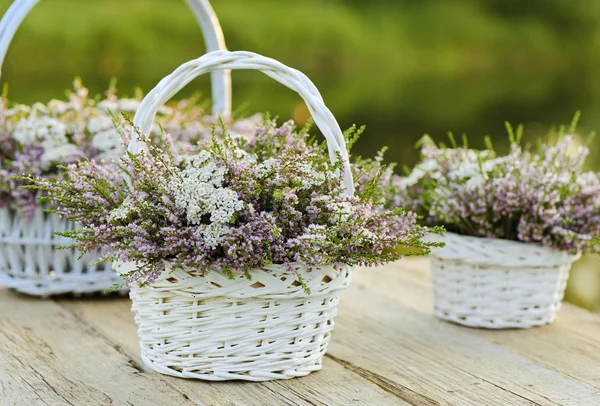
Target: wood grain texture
<point x="387" y="349"/>
<point x="334" y="385"/>
<point x="48" y="357"/>
<point x="570" y="345"/>
<point x="443" y="362"/>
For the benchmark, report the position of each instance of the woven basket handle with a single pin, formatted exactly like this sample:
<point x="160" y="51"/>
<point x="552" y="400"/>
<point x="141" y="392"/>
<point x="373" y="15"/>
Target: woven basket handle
<point x="219" y="60"/>
<point x="207" y="19"/>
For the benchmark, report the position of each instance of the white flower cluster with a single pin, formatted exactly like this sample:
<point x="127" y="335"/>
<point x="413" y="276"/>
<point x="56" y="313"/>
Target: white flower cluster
<point x="57" y="154"/>
<point x="105" y="136"/>
<point x="310" y="176"/>
<point x="18" y="110"/>
<point x="127" y="106"/>
<point x="314" y="233"/>
<point x="124" y="105"/>
<point x="108" y="142"/>
<point x="428" y="166"/>
<point x="266" y="166"/>
<point x="344" y="210"/>
<point x="98" y="124"/>
<point x="50" y="133"/>
<point x="198" y="189"/>
<point x="458" y="165"/>
<point x="46" y="129"/>
<point x="60" y="107"/>
<point x="121" y="212"/>
<point x="57" y="133"/>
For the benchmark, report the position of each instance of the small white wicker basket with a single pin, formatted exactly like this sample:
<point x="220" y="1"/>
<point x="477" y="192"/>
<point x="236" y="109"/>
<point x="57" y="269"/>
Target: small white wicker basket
<point x="495" y="283"/>
<point x="213" y="328"/>
<point x="29" y="260"/>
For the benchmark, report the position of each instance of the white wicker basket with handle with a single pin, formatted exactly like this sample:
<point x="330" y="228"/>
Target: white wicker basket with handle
<point x="29" y="259"/>
<point x="495" y="283"/>
<point x="214" y="328"/>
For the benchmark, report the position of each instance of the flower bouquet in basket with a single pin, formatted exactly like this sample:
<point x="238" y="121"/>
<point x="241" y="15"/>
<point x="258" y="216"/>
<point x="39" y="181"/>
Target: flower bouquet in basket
<point x="235" y="253"/>
<point x="41" y="140"/>
<point x="515" y="222"/>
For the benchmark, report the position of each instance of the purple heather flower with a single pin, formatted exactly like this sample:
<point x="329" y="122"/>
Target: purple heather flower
<point x="541" y="196"/>
<point x="232" y="204"/>
<point x="38" y="140"/>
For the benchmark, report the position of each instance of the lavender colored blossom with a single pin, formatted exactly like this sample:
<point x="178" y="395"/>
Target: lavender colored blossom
<point x="543" y="195"/>
<point x="38" y="140"/>
<point x="233" y="203"/>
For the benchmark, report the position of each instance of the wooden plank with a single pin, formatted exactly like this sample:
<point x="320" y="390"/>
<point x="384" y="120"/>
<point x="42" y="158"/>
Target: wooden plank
<point x="47" y="357"/>
<point x="570" y="345"/>
<point x="387" y="349"/>
<point x="334" y="385"/>
<point x="392" y="336"/>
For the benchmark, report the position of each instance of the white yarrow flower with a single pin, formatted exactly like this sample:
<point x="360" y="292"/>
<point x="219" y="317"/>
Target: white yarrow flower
<point x="107" y="141"/>
<point x="99" y="124"/>
<point x="121" y="212"/>
<point x="59" y="107"/>
<point x="39" y="108"/>
<point x="108" y="105"/>
<point x="199" y="190"/>
<point x="19" y="109"/>
<point x="57" y="154"/>
<point x="413" y="178"/>
<point x="429" y="165"/>
<point x="128" y="105"/>
<point x="46" y="129"/>
<point x="465" y="171"/>
<point x="474" y="182"/>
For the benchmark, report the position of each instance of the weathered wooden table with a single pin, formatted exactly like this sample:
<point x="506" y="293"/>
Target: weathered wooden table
<point x="387" y="349"/>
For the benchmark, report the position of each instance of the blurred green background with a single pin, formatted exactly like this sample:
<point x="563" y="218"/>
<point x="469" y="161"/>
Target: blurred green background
<point x="402" y="67"/>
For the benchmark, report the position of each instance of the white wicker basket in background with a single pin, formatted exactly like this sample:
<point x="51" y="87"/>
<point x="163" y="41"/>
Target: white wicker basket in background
<point x="29" y="260"/>
<point x="213" y="328"/>
<point x="495" y="283"/>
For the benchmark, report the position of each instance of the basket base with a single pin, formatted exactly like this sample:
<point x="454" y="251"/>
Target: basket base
<point x="252" y="374"/>
<point x="496" y="324"/>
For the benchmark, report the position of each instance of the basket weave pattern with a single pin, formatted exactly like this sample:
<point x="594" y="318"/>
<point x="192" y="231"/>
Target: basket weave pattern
<point x="214" y="328"/>
<point x="495" y="283"/>
<point x="31" y="263"/>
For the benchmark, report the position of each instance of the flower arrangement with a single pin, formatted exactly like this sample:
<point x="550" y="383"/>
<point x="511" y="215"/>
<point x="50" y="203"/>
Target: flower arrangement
<point x="516" y="222"/>
<point x="235" y="204"/>
<point x="235" y="250"/>
<point x="534" y="195"/>
<point x="40" y="139"/>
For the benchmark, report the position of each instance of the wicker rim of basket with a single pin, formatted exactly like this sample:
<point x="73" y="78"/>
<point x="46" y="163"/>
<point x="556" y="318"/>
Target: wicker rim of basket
<point x="498" y="252"/>
<point x="271" y="281"/>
